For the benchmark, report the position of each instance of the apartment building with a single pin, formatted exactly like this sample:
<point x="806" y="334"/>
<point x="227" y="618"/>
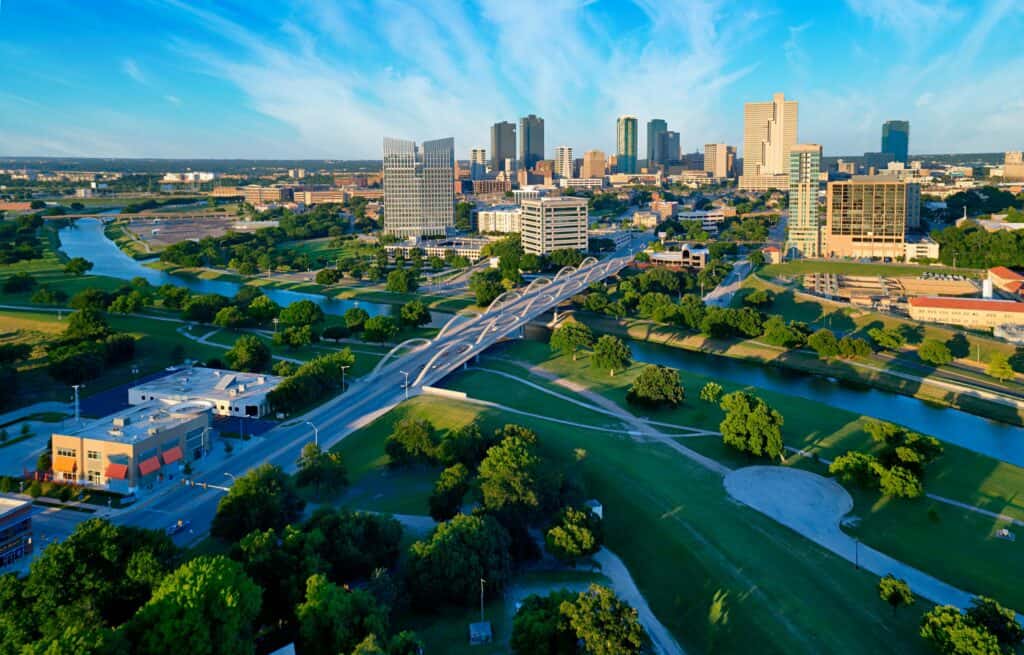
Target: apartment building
<point x="550" y="224"/>
<point x="869" y="217"/>
<point x="804" y="234"/>
<point x="500" y="218"/>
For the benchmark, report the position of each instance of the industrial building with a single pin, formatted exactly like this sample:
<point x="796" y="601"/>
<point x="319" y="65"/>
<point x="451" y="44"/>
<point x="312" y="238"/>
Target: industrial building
<point x="230" y="393"/>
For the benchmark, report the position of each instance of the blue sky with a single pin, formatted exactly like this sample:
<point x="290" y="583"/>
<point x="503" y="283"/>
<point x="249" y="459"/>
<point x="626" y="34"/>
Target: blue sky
<point x="329" y="79"/>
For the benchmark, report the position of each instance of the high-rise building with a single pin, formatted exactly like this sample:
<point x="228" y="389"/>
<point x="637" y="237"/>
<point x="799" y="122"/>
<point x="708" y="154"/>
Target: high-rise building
<point x="720" y="160"/>
<point x="655" y="126"/>
<point x="503" y="145"/>
<point x="419" y="193"/>
<point x="666" y="149"/>
<point x="531" y="140"/>
<point x="769" y="131"/>
<point x="594" y="164"/>
<point x="869" y="217"/>
<point x="804" y="226"/>
<point x="896" y="139"/>
<point x="477" y="163"/>
<point x="1013" y="166"/>
<point x="563" y="162"/>
<point x="550" y="224"/>
<point x="625" y="141"/>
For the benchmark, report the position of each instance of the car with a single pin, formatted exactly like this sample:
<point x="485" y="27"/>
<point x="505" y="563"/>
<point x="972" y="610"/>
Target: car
<point x="179" y="526"/>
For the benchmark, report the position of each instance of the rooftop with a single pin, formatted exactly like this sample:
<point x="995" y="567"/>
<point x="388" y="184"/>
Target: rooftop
<point x="8" y="505"/>
<point x="139" y="422"/>
<point x="209" y="384"/>
<point x="1006" y="273"/>
<point x="975" y="304"/>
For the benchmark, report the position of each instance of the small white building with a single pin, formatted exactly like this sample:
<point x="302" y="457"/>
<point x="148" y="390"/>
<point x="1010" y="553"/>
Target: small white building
<point x="499" y="218"/>
<point x="231" y="393"/>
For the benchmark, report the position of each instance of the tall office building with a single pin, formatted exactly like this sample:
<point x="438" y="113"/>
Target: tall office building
<point x="720" y="160"/>
<point x="531" y="140"/>
<point x="666" y="149"/>
<point x="769" y="131"/>
<point x="419" y="187"/>
<point x="804" y="227"/>
<point x="625" y="142"/>
<point x="503" y="145"/>
<point x="896" y="139"/>
<point x="1013" y="166"/>
<point x="477" y="163"/>
<point x="550" y="224"/>
<point x="869" y="218"/>
<point x="563" y="161"/>
<point x="655" y="126"/>
<point x="594" y="164"/>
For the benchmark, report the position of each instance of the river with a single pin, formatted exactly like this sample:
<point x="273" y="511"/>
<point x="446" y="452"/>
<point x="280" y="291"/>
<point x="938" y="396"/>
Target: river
<point x="85" y="238"/>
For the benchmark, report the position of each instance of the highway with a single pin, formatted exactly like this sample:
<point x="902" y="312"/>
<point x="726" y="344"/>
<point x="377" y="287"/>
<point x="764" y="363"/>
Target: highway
<point x="421" y="362"/>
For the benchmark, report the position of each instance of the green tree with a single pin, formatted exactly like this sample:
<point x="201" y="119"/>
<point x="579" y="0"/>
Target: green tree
<point x="335" y="333"/>
<point x="263" y="309"/>
<point x="577" y="534"/>
<point x="999" y="367"/>
<point x="321" y="469"/>
<point x="824" y="343"/>
<point x="657" y="386"/>
<point x="203" y="308"/>
<point x="510" y="478"/>
<point x="607" y="625"/>
<point x="205" y="607"/>
<point x="230" y="317"/>
<point x="997" y="620"/>
<point x="127" y="303"/>
<point x="302" y="312"/>
<point x="486" y="286"/>
<point x="952" y="633"/>
<point x="380" y="329"/>
<point x="250" y="353"/>
<point x="20" y="283"/>
<point x="78" y="266"/>
<point x="280" y="563"/>
<point x="411" y="442"/>
<point x="76" y="363"/>
<point x="934" y="352"/>
<point x="895" y="591"/>
<point x="540" y="628"/>
<point x="415" y="313"/>
<point x="855" y="468"/>
<point x="261" y="499"/>
<point x="571" y="336"/>
<point x="611" y="353"/>
<point x="711" y="392"/>
<point x="751" y="425"/>
<point x="402" y="281"/>
<point x="450" y="488"/>
<point x="334" y="619"/>
<point x="352" y="545"/>
<point x="900" y="482"/>
<point x="86" y="325"/>
<point x="355" y="318"/>
<point x="295" y="336"/>
<point x="447" y="566"/>
<point x="887" y="338"/>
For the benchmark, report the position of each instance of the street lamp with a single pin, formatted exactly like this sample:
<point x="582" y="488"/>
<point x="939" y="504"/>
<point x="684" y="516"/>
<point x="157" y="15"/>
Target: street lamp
<point x="276" y="320"/>
<point x="76" y="387"/>
<point x="406" y="385"/>
<point x="230" y="475"/>
<point x="316" y="433"/>
<point x="343" y="369"/>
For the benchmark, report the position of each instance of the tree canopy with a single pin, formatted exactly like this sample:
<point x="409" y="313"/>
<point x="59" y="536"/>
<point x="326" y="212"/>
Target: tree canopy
<point x="262" y="498"/>
<point x="751" y="425"/>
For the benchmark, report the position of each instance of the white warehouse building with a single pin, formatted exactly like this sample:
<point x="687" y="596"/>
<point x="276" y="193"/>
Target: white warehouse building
<point x="230" y="392"/>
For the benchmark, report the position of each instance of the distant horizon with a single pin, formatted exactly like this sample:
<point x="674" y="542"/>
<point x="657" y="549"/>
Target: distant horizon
<point x="168" y="79"/>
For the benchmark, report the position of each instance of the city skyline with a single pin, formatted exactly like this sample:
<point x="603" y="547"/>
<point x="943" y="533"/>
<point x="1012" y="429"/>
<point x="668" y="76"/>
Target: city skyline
<point x="247" y="81"/>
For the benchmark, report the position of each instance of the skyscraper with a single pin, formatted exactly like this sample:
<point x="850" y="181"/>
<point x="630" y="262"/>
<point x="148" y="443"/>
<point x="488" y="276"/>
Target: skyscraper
<point x="720" y="160"/>
<point x="531" y="140"/>
<point x="625" y="140"/>
<point x="666" y="148"/>
<point x="563" y="161"/>
<point x="503" y="144"/>
<point x="804" y="228"/>
<point x="655" y="126"/>
<point x="419" y="193"/>
<point x="869" y="216"/>
<point x="594" y="163"/>
<point x="896" y="139"/>
<point x="769" y="131"/>
<point x="477" y="163"/>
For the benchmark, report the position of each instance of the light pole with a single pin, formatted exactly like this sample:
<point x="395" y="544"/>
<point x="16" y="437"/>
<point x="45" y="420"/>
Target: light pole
<point x="406" y="385"/>
<point x="316" y="433"/>
<point x="276" y="320"/>
<point x="343" y="369"/>
<point x="76" y="387"/>
<point x="230" y="475"/>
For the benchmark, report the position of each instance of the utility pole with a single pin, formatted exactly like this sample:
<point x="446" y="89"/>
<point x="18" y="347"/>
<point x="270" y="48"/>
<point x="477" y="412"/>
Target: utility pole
<point x="77" y="416"/>
<point x="482" y="581"/>
<point x="406" y="385"/>
<point x="343" y="369"/>
<point x="316" y="433"/>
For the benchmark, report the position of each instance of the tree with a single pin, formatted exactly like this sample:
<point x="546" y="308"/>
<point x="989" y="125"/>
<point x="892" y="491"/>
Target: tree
<point x="934" y="352"/>
<point x="302" y="312"/>
<point x="895" y="591"/>
<point x="323" y="470"/>
<point x="335" y="333"/>
<point x="999" y="367"/>
<point x="380" y="329"/>
<point x="447" y="566"/>
<point x="127" y="303"/>
<point x="280" y="563"/>
<point x="20" y="283"/>
<point x="78" y="266"/>
<point x="354" y="544"/>
<point x="203" y="308"/>
<point x="206" y="606"/>
<point x="657" y="386"/>
<point x="611" y="353"/>
<point x="411" y="442"/>
<point x="577" y="534"/>
<point x="570" y="337"/>
<point x="402" y="281"/>
<point x="415" y="313"/>
<point x="607" y="625"/>
<point x="850" y="347"/>
<point x="952" y="633"/>
<point x="756" y="258"/>
<point x="711" y="392"/>
<point x="295" y="336"/>
<point x="263" y="309"/>
<point x="854" y="467"/>
<point x="466" y="444"/>
<point x="119" y="348"/>
<point x="997" y="620"/>
<point x="77" y="362"/>
<point x="778" y="333"/>
<point x="824" y="343"/>
<point x="334" y="619"/>
<point x="486" y="286"/>
<point x="250" y="353"/>
<point x="86" y="325"/>
<point x="510" y="480"/>
<point x="263" y="498"/>
<point x="900" y="482"/>
<point x="540" y="628"/>
<point x="887" y="338"/>
<point x="759" y="298"/>
<point x="354" y="318"/>
<point x="449" y="490"/>
<point x="751" y="426"/>
<point x="230" y="317"/>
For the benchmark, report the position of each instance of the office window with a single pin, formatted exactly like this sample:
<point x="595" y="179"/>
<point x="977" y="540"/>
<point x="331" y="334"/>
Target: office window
<point x="66" y="452"/>
<point x="93" y="455"/>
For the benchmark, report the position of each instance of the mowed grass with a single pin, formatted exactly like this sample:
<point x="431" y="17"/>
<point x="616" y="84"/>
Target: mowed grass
<point x="800" y="267"/>
<point x="683" y="540"/>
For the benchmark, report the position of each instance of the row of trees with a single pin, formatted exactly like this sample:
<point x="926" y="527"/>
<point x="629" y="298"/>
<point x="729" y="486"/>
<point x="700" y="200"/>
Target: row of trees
<point x="897" y="468"/>
<point x="315" y="380"/>
<point x="87" y="347"/>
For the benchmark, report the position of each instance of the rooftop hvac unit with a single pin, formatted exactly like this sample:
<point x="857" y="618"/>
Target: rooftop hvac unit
<point x="121" y="421"/>
<point x="152" y="431"/>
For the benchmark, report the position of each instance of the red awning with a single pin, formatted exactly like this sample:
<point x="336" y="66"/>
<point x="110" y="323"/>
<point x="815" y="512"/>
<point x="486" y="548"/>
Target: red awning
<point x="172" y="455"/>
<point x="117" y="471"/>
<point x="150" y="465"/>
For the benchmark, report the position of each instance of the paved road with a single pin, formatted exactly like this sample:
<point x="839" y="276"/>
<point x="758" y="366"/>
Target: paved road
<point x="721" y="295"/>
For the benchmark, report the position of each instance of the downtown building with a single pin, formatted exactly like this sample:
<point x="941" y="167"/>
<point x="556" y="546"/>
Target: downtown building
<point x="666" y="149"/>
<point x="655" y="128"/>
<point x="503" y="146"/>
<point x="419" y="187"/>
<point x="868" y="216"/>
<point x="478" y="163"/>
<point x="626" y="144"/>
<point x="531" y="140"/>
<point x="896" y="139"/>
<point x="550" y="224"/>
<point x="769" y="132"/>
<point x="563" y="162"/>
<point x="804" y="233"/>
<point x="594" y="164"/>
<point x="720" y="160"/>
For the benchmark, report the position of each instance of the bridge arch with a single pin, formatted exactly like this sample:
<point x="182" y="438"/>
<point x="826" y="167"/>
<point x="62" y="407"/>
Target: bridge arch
<point x="394" y="351"/>
<point x="586" y="262"/>
<point x="536" y="283"/>
<point x="452" y="320"/>
<point x="550" y="297"/>
<point x="563" y="272"/>
<point x="430" y="363"/>
<point x="502" y="299"/>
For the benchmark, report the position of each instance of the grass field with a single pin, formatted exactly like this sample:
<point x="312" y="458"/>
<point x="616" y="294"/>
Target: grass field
<point x="799" y="267"/>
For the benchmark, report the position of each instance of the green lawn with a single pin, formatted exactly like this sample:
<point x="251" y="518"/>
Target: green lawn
<point x="802" y="266"/>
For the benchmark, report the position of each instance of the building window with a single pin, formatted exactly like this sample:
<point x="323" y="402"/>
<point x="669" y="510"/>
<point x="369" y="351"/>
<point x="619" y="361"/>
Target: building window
<point x="93" y="455"/>
<point x="70" y="477"/>
<point x="95" y="477"/>
<point x="66" y="452"/>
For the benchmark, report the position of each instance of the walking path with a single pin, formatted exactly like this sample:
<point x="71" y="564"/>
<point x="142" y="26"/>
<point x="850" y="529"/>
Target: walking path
<point x="44" y="407"/>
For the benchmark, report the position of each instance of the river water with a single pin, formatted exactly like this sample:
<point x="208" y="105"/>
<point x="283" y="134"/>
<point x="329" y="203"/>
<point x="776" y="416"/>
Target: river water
<point x="85" y="238"/>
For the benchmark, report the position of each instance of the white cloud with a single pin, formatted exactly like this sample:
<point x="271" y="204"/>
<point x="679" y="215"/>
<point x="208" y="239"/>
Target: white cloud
<point x="174" y="100"/>
<point x="911" y="20"/>
<point x="132" y="70"/>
